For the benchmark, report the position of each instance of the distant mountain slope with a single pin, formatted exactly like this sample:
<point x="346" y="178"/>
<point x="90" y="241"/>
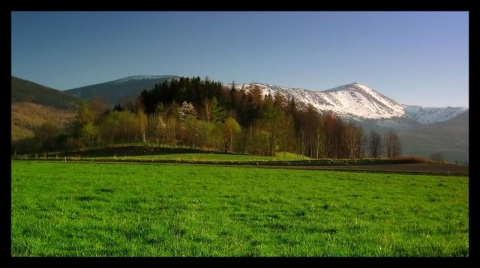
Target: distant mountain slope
<point x="117" y="91"/>
<point x="422" y="130"/>
<point x="34" y="104"/>
<point x="27" y="116"/>
<point x="451" y="138"/>
<point x="30" y="92"/>
<point x="359" y="102"/>
<point x="429" y="115"/>
<point x="349" y="101"/>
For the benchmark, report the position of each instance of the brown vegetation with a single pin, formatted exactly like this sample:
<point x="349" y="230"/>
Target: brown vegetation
<point x="28" y="116"/>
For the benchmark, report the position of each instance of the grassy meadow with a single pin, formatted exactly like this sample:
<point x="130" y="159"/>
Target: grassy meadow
<point x="155" y="210"/>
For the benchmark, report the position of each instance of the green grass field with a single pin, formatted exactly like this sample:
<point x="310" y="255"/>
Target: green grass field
<point x="127" y="209"/>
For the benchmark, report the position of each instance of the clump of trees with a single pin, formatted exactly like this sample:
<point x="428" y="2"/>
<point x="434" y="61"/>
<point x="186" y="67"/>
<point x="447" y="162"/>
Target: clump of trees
<point x="203" y="114"/>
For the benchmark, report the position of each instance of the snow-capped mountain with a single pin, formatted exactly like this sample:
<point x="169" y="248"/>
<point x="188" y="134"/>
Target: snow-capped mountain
<point x="141" y="77"/>
<point x="422" y="130"/>
<point x="350" y="101"/>
<point x="359" y="102"/>
<point x="430" y="115"/>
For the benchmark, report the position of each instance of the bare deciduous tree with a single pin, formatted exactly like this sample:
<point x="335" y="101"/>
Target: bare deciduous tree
<point x="374" y="144"/>
<point x="353" y="139"/>
<point x="392" y="144"/>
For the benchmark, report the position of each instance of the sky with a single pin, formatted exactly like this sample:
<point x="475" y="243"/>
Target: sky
<point x="414" y="58"/>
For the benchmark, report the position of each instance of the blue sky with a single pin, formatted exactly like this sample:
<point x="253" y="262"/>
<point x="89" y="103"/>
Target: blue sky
<point x="415" y="58"/>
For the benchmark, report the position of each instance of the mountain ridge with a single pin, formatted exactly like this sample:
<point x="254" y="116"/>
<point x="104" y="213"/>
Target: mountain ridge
<point x="423" y="129"/>
<point x="139" y="77"/>
<point x="350" y="101"/>
<point x="359" y="102"/>
<point x="33" y="104"/>
<point x="27" y="91"/>
<point x="119" y="90"/>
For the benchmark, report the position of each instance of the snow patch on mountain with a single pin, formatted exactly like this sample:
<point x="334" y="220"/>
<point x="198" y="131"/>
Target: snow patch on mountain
<point x="430" y="115"/>
<point x="140" y="77"/>
<point x="359" y="102"/>
<point x="352" y="100"/>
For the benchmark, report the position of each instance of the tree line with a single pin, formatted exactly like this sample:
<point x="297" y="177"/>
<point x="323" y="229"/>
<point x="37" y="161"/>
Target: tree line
<point x="204" y="114"/>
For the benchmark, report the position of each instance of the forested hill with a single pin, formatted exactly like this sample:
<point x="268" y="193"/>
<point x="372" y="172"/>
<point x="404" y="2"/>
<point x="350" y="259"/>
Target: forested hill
<point x="33" y="104"/>
<point x="30" y="92"/>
